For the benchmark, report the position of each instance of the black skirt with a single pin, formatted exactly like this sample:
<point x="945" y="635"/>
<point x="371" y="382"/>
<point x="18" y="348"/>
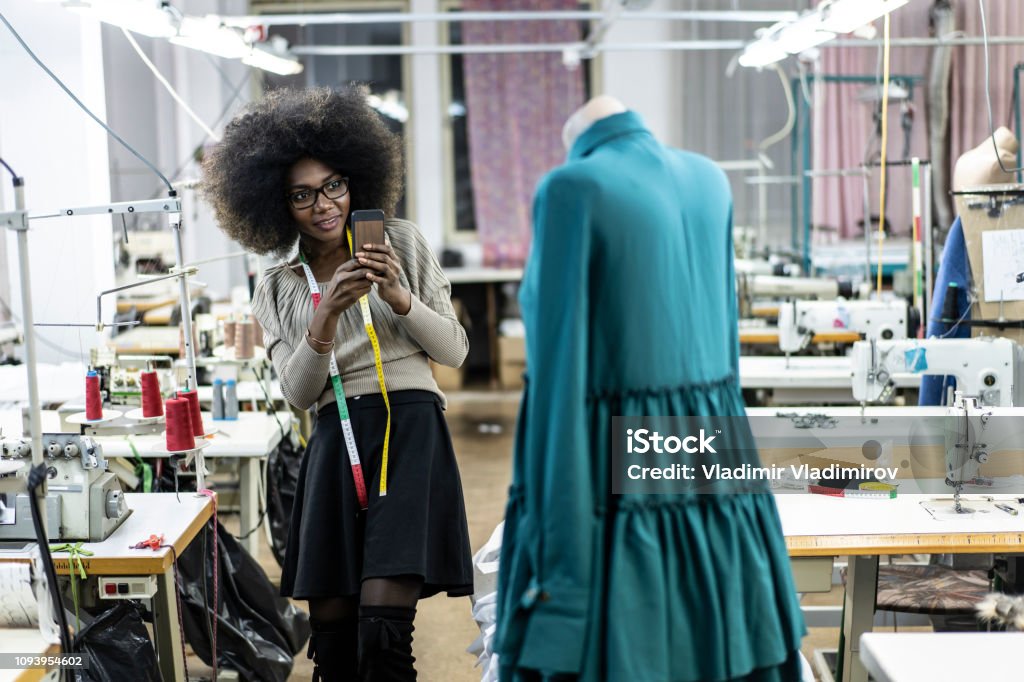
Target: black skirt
<point x="418" y="528"/>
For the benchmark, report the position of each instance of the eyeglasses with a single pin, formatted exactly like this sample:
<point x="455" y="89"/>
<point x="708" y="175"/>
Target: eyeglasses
<point x="305" y="198"/>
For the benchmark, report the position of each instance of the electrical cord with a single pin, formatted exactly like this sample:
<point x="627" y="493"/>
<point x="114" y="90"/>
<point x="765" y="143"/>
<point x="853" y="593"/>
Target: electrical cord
<point x="36" y="477"/>
<point x="167" y="86"/>
<point x="79" y="102"/>
<point x="787" y="128"/>
<point x="9" y="169"/>
<point x="988" y="93"/>
<point x="223" y="114"/>
<point x="885" y="141"/>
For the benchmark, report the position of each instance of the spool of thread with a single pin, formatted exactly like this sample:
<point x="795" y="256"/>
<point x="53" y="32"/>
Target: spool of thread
<point x="93" y="399"/>
<point x="179" y="425"/>
<point x="244" y="340"/>
<point x="257" y="333"/>
<point x="229" y="333"/>
<point x="152" y="401"/>
<point x="218" y="398"/>
<point x="230" y="399"/>
<point x="194" y="414"/>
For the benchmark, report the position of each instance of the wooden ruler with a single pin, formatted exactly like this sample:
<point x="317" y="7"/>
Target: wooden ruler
<point x="923" y="543"/>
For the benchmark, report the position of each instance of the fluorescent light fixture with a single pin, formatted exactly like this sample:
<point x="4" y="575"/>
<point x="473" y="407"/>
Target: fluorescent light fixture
<point x="846" y="16"/>
<point x="389" y="105"/>
<point x="274" y="57"/>
<point x="209" y="35"/>
<point x="766" y="50"/>
<point x="151" y="18"/>
<point x="803" y="34"/>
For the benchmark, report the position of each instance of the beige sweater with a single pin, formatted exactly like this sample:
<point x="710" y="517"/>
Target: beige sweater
<point x="283" y="307"/>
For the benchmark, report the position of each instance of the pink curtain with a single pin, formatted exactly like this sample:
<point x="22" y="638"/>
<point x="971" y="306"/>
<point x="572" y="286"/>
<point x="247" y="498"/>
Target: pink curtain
<point x="843" y="125"/>
<point x="516" y="105"/>
<point x="968" y="110"/>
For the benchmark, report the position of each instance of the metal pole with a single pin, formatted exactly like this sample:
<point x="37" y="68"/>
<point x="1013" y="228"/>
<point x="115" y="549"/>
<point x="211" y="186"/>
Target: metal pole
<point x="31" y="360"/>
<point x="929" y="254"/>
<point x="186" y="320"/>
<point x="1016" y="109"/>
<point x="677" y="45"/>
<point x="755" y="17"/>
<point x="867" y="229"/>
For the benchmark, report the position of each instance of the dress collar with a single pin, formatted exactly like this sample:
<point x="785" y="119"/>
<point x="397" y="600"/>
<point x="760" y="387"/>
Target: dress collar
<point x="606" y="129"/>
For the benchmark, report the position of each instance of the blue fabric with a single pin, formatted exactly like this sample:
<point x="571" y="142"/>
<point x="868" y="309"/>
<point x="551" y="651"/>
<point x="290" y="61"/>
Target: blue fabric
<point x="629" y="304"/>
<point x="954" y="267"/>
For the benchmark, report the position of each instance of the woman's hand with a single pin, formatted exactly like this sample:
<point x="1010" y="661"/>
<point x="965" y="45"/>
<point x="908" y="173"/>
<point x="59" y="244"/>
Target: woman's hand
<point x="385" y="269"/>
<point x="348" y="284"/>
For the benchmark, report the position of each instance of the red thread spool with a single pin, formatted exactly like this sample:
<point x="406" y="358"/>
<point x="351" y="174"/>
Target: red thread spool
<point x="93" y="400"/>
<point x="152" y="401"/>
<point x="179" y="425"/>
<point x="194" y="414"/>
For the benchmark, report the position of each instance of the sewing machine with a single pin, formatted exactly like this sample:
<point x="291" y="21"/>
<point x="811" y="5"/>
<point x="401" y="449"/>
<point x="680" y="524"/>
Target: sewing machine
<point x="799" y="321"/>
<point x="985" y="367"/>
<point x="84" y="501"/>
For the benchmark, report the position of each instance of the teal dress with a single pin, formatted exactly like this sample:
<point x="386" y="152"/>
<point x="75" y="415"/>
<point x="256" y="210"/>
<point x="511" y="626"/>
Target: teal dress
<point x="629" y="304"/>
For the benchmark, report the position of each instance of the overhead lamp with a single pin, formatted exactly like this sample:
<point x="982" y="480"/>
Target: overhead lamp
<point x="765" y="50"/>
<point x="209" y="35"/>
<point x="151" y="18"/>
<point x="273" y="56"/>
<point x="846" y="16"/>
<point x="803" y="34"/>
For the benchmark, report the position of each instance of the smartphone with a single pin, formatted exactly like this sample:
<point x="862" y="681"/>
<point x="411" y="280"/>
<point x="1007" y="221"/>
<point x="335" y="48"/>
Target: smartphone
<point x="367" y="228"/>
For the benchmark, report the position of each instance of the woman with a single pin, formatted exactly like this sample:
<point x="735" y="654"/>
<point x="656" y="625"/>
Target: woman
<point x="370" y="535"/>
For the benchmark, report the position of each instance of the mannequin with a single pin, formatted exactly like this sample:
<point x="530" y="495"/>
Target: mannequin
<point x="597" y="108"/>
<point x="978" y="166"/>
<point x="632" y="246"/>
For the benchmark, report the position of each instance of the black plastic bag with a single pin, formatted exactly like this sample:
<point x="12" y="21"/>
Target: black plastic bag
<point x="258" y="632"/>
<point x="117" y="646"/>
<point x="282" y="478"/>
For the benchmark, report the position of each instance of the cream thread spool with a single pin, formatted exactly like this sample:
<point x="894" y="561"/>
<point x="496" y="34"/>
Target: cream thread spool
<point x="244" y="337"/>
<point x="229" y="333"/>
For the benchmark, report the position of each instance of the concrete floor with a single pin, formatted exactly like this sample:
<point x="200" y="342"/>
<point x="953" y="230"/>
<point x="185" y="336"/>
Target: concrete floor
<point x="444" y="627"/>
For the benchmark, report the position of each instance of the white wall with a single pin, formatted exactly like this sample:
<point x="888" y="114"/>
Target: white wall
<point x="647" y="81"/>
<point x="427" y="175"/>
<point x="62" y="155"/>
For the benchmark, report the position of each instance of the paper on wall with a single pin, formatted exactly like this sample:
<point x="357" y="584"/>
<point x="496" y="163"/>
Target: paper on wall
<point x="1002" y="253"/>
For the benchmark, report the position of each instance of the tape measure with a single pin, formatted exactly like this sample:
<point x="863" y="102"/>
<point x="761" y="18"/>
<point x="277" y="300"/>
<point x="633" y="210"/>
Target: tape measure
<point x="364" y="308"/>
<point x="918" y="543"/>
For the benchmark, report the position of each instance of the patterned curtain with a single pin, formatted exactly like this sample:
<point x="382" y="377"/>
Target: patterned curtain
<point x="516" y="105"/>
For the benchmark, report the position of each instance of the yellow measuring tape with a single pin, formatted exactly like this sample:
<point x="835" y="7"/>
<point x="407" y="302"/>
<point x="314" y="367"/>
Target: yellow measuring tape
<point x="364" y="308"/>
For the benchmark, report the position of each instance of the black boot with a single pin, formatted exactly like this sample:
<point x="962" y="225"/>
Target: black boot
<point x="385" y="644"/>
<point x="334" y="652"/>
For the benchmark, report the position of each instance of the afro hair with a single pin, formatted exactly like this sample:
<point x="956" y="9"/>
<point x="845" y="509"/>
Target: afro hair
<point x="244" y="176"/>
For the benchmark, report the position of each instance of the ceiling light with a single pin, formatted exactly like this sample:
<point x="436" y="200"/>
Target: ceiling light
<point x="846" y="16"/>
<point x="273" y="56"/>
<point x="209" y="35"/>
<point x="803" y="34"/>
<point x="146" y="17"/>
<point x="765" y="50"/>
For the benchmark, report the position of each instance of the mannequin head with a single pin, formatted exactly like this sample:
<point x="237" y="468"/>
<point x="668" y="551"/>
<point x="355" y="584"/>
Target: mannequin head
<point x="597" y="108"/>
<point x="979" y="166"/>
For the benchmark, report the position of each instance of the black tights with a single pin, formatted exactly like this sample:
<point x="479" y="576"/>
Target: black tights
<point x="375" y="630"/>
